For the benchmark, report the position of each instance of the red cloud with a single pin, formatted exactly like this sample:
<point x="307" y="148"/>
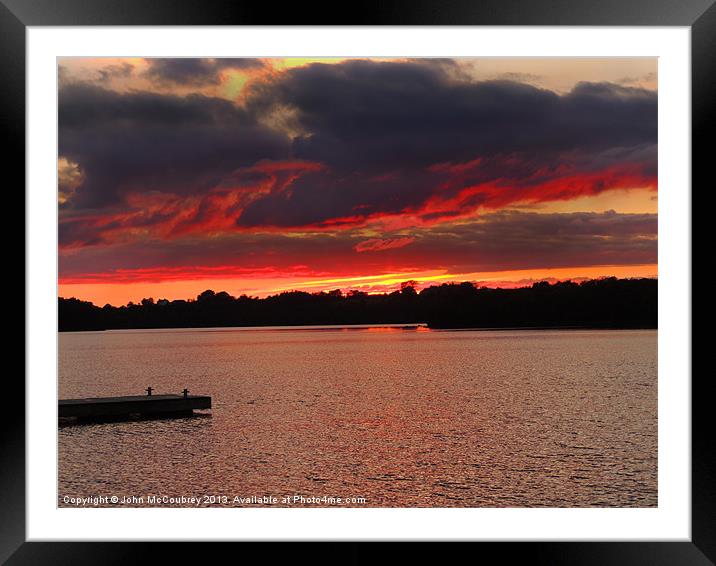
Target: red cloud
<point x="167" y="216"/>
<point x="163" y="273"/>
<point x="453" y="199"/>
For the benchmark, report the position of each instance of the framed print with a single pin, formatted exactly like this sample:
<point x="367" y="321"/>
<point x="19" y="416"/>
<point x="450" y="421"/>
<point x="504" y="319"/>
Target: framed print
<point x="420" y="275"/>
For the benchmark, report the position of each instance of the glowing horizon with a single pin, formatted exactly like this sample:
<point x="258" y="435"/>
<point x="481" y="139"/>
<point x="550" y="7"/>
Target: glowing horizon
<point x="124" y="293"/>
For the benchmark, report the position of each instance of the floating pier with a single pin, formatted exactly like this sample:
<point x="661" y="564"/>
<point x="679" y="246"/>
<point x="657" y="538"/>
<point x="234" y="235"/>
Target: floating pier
<point x="124" y="408"/>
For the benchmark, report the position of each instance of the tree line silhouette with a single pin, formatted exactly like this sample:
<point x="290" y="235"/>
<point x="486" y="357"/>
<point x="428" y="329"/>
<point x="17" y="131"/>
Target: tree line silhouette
<point x="599" y="303"/>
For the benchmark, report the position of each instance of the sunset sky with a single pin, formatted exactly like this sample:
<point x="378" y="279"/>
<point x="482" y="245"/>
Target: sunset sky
<point x="254" y="176"/>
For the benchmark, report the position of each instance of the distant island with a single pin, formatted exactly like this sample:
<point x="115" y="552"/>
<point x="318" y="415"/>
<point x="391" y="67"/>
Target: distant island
<point x="599" y="303"/>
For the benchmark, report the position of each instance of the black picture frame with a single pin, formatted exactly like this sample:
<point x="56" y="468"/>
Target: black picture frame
<point x="699" y="15"/>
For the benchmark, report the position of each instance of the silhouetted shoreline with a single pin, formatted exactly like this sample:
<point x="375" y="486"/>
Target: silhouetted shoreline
<point x="602" y="303"/>
<point x="512" y="328"/>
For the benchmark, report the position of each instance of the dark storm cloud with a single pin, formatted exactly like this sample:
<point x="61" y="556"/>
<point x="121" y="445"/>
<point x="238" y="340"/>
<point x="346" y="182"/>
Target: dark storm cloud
<point x="503" y="240"/>
<point x="367" y="119"/>
<point x="143" y="142"/>
<point x="390" y="137"/>
<point x="372" y="116"/>
<point x="531" y="227"/>
<point x="521" y="240"/>
<point x="328" y="197"/>
<point x="194" y="71"/>
<point x="325" y="198"/>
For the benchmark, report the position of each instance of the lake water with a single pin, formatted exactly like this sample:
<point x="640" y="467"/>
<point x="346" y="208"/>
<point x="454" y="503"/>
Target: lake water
<point x="382" y="417"/>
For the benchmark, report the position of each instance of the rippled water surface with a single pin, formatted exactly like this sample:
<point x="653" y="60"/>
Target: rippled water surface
<point x="404" y="418"/>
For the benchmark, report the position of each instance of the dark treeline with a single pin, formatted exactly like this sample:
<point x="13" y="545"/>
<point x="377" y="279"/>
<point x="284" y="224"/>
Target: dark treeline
<point x="603" y="303"/>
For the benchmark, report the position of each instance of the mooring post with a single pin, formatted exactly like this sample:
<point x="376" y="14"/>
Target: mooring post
<point x="186" y="393"/>
<point x="149" y="391"/>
